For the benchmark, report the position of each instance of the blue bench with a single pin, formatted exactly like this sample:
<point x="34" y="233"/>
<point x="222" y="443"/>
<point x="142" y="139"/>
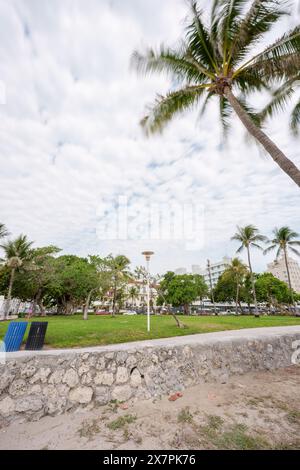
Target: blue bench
<point x="14" y="336"/>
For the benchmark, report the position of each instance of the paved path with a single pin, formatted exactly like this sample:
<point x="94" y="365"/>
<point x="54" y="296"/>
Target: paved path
<point x="203" y="338"/>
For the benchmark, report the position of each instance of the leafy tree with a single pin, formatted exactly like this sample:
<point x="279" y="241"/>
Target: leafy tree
<point x="39" y="275"/>
<point x="249" y="237"/>
<point x="74" y="279"/>
<point x="16" y="254"/>
<point x="272" y="290"/>
<point x="218" y="60"/>
<point x="182" y="289"/>
<point x="284" y="240"/>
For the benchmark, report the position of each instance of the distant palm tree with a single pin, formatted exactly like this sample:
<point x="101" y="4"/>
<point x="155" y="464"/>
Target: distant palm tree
<point x="16" y="252"/>
<point x="3" y="231"/>
<point x="133" y="293"/>
<point x="237" y="271"/>
<point x="119" y="270"/>
<point x="248" y="236"/>
<point x="284" y="240"/>
<point x="212" y="61"/>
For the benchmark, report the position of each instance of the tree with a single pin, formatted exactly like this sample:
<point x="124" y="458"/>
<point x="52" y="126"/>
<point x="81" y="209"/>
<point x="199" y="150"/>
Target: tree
<point x="39" y="275"/>
<point x="31" y="284"/>
<point x="17" y="252"/>
<point x="271" y="290"/>
<point x="133" y="293"/>
<point x="3" y="231"/>
<point x="102" y="281"/>
<point x="236" y="272"/>
<point x="72" y="283"/>
<point x="118" y="267"/>
<point x="248" y="236"/>
<point x="182" y="289"/>
<point x="284" y="240"/>
<point x="212" y="62"/>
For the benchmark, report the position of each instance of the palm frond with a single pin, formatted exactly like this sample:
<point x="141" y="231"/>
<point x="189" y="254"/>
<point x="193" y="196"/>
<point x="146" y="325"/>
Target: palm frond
<point x="279" y="100"/>
<point x="252" y="113"/>
<point x="288" y="44"/>
<point x="262" y="15"/>
<point x="225" y="114"/>
<point x="270" y="248"/>
<point x="199" y="41"/>
<point x="205" y="103"/>
<point x="295" y="119"/>
<point x="295" y="251"/>
<point x="278" y="68"/>
<point x="166" y="107"/>
<point x="250" y="81"/>
<point x="174" y="63"/>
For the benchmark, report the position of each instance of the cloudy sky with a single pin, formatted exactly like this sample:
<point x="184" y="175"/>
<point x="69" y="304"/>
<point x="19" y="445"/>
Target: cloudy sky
<point x="71" y="147"/>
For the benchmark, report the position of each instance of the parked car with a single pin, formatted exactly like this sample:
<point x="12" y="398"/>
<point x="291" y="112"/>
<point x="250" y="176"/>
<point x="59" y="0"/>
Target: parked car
<point x="102" y="312"/>
<point x="129" y="312"/>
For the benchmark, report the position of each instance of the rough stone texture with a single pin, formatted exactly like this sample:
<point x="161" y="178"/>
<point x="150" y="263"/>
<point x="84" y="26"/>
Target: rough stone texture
<point x="35" y="384"/>
<point x="81" y="395"/>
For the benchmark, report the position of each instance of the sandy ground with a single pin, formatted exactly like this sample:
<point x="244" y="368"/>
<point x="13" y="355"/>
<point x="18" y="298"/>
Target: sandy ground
<point x="254" y="411"/>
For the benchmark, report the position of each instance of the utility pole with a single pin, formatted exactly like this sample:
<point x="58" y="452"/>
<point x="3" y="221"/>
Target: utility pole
<point x="211" y="286"/>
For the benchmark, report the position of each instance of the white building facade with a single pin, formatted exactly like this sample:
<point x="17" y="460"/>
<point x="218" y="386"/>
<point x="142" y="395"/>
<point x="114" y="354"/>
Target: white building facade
<point x="278" y="269"/>
<point x="216" y="270"/>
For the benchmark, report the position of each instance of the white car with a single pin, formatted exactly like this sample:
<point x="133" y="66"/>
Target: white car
<point x="129" y="312"/>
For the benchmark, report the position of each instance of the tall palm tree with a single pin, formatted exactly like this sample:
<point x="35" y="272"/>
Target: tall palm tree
<point x="119" y="270"/>
<point x="212" y="61"/>
<point x="17" y="252"/>
<point x="3" y="231"/>
<point x="249" y="236"/>
<point x="237" y="271"/>
<point x="284" y="240"/>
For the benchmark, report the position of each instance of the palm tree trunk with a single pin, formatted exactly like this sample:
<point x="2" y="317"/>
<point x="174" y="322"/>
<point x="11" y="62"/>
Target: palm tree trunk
<point x="114" y="300"/>
<point x="237" y="297"/>
<point x="288" y="273"/>
<point x="256" y="313"/>
<point x="8" y="299"/>
<point x="87" y="304"/>
<point x="278" y="156"/>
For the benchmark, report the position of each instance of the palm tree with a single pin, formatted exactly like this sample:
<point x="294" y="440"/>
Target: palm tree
<point x="284" y="240"/>
<point x="248" y="236"/>
<point x="237" y="271"/>
<point x="212" y="62"/>
<point x="133" y="293"/>
<point x="3" y="231"/>
<point x="17" y="252"/>
<point x="118" y="268"/>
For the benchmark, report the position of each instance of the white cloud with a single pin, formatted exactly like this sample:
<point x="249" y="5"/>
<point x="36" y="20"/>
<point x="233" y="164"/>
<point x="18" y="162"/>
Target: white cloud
<point x="70" y="138"/>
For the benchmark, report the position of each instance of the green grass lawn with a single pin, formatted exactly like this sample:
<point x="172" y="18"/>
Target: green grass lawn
<point x="73" y="331"/>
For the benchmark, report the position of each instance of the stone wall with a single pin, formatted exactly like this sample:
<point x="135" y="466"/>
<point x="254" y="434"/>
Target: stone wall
<point x="35" y="384"/>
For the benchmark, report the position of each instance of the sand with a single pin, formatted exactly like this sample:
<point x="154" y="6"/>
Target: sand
<point x="255" y="411"/>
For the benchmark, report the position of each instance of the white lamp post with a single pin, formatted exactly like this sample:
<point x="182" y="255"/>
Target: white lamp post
<point x="148" y="255"/>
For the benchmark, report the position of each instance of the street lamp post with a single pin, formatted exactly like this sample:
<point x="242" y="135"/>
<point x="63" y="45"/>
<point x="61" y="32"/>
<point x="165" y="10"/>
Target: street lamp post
<point x="148" y="255"/>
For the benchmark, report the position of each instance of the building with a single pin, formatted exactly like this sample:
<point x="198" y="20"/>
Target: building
<point x="180" y="271"/>
<point x="216" y="270"/>
<point x="278" y="269"/>
<point x="196" y="269"/>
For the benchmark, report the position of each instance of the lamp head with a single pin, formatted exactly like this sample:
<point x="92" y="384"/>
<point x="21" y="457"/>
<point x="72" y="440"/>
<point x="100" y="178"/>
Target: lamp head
<point x="148" y="254"/>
